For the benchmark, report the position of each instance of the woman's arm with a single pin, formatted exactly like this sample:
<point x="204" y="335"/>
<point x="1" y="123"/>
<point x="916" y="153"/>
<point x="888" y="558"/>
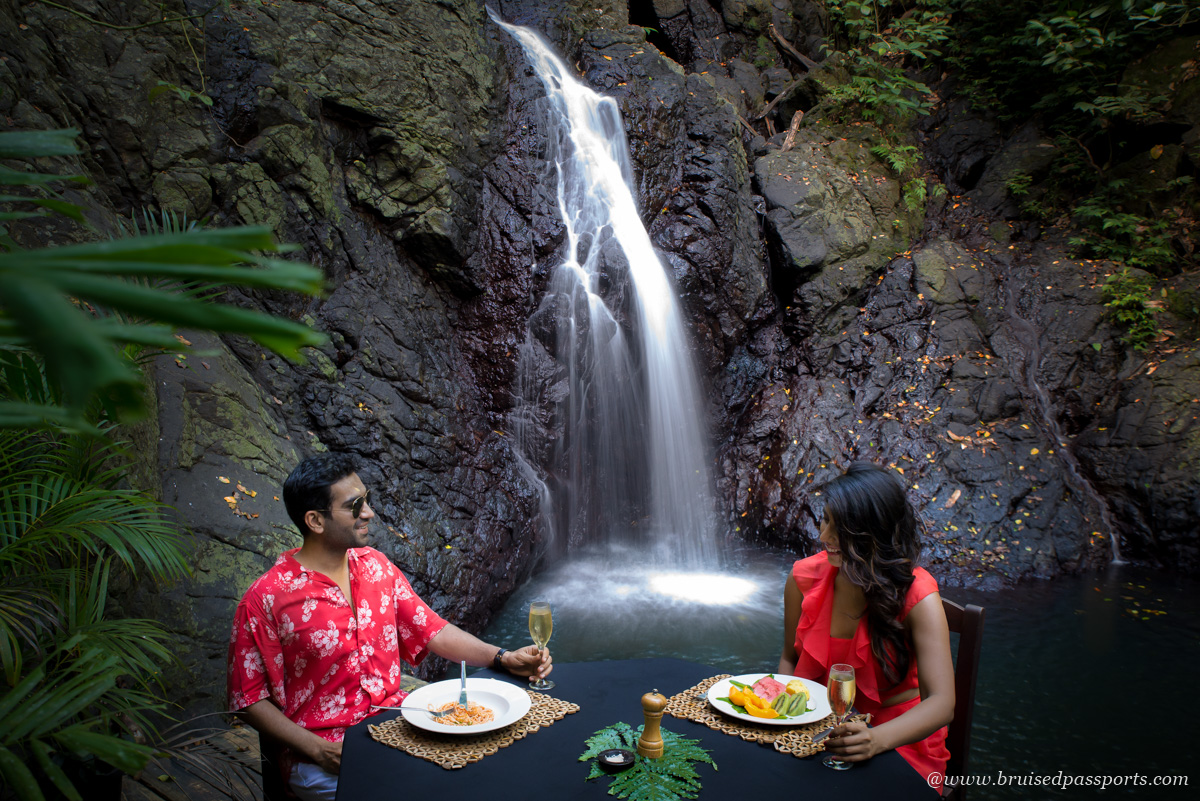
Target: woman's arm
<point x="854" y="742"/>
<point x="792" y="601"/>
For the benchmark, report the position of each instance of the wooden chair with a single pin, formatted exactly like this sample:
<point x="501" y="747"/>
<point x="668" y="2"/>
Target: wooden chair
<point x="967" y="622"/>
<point x="274" y="788"/>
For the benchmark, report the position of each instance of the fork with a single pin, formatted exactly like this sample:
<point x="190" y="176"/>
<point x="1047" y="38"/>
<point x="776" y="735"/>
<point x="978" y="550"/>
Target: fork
<point x="462" y="693"/>
<point x="443" y="713"/>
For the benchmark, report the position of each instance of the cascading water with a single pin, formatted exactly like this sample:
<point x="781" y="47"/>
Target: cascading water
<point x="627" y="477"/>
<point x="631" y="464"/>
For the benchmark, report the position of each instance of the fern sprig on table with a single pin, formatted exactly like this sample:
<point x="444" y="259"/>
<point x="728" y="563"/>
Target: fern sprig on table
<point x="668" y="778"/>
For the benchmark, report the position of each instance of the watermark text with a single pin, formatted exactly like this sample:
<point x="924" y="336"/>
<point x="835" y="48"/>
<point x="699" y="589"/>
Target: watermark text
<point x="1060" y="780"/>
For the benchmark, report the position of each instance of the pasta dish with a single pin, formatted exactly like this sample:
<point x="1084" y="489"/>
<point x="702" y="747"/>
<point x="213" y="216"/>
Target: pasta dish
<point x="471" y="716"/>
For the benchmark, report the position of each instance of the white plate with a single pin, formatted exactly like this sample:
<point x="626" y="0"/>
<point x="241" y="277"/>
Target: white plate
<point x="508" y="703"/>
<point x="818" y="698"/>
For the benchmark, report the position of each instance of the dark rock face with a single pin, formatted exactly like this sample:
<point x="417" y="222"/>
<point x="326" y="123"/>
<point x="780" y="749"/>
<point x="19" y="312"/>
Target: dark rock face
<point x="402" y="145"/>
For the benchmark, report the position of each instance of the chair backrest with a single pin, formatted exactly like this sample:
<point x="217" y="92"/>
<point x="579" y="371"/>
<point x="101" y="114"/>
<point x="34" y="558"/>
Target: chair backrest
<point x="274" y="788"/>
<point x="967" y="622"/>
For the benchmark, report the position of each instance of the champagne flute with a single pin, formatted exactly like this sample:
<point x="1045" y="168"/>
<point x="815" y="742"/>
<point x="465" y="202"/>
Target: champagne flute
<point x="540" y="626"/>
<point x="841" y="699"/>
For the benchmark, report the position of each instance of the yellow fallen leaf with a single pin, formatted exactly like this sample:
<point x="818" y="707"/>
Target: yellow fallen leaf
<point x="222" y="479"/>
<point x="1034" y="452"/>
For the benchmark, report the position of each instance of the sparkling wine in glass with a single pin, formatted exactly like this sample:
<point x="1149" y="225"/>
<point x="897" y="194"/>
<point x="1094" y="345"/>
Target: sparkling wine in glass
<point x="541" y="624"/>
<point x="841" y="699"/>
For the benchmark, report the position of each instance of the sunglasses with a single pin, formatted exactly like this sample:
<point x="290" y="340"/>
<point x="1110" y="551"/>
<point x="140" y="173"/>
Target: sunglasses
<point x="356" y="506"/>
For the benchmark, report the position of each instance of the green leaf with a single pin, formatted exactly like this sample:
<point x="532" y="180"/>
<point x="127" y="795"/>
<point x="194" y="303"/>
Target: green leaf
<point x="740" y="709"/>
<point x="184" y="94"/>
<point x="11" y="177"/>
<point x="667" y="778"/>
<point x="35" y="144"/>
<point x="56" y="775"/>
<point x="282" y="336"/>
<point x="189" y="247"/>
<point x="282" y="274"/>
<point x="19" y="777"/>
<point x="122" y="754"/>
<point x="34" y="415"/>
<point x="77" y="359"/>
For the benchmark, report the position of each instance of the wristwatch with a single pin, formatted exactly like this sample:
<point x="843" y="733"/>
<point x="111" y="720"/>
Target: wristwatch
<point x="498" y="660"/>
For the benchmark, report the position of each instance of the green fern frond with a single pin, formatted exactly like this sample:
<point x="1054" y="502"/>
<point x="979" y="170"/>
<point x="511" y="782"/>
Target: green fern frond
<point x="671" y="777"/>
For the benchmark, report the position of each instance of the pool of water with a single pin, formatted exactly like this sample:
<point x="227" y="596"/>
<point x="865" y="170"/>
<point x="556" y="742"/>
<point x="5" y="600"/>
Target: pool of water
<point x="618" y="606"/>
<point x="1085" y="675"/>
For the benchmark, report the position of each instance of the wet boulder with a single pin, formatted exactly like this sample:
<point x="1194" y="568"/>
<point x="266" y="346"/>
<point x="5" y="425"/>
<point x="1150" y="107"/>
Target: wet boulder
<point x="834" y="216"/>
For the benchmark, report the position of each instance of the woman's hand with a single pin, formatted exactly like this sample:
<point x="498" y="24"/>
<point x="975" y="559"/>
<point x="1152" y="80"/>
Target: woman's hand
<point x="853" y="742"/>
<point x="528" y="661"/>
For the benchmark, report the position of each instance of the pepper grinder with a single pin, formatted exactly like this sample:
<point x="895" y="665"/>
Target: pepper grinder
<point x="650" y="744"/>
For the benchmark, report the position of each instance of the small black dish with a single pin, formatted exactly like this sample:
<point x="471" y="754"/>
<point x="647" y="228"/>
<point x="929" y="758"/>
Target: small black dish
<point x="615" y="760"/>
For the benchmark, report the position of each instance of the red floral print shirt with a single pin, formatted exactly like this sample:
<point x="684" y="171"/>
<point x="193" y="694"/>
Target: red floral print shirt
<point x="297" y="641"/>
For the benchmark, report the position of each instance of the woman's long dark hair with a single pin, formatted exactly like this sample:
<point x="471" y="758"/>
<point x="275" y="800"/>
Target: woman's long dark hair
<point x="877" y="535"/>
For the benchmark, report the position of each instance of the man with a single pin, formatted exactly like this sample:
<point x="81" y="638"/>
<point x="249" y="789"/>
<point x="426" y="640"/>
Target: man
<point x="317" y="640"/>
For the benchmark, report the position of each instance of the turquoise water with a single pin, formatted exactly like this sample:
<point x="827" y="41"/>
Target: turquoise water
<point x="1085" y="675"/>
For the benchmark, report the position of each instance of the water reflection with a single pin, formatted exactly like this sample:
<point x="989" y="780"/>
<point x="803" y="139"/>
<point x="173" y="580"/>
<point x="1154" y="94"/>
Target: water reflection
<point x="612" y="605"/>
<point x="708" y="589"/>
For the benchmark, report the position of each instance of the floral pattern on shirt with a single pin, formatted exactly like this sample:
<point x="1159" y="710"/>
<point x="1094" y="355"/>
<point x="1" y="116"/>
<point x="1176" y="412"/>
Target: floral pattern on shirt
<point x="297" y="640"/>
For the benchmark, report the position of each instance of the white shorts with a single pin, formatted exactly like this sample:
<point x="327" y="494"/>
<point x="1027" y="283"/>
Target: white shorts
<point x="313" y="783"/>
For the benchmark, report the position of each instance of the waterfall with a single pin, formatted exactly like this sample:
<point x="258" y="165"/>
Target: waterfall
<point x="631" y="464"/>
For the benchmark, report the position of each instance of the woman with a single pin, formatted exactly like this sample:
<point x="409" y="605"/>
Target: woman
<point x="864" y="602"/>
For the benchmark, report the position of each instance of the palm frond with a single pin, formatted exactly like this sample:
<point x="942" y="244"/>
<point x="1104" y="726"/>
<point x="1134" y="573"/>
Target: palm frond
<point x="27" y="613"/>
<point x="197" y="750"/>
<point x="42" y="752"/>
<point x="139" y="644"/>
<point x="56" y="514"/>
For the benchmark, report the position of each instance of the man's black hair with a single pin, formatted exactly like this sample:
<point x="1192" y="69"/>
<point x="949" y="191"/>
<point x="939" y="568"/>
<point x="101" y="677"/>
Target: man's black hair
<point x="307" y="487"/>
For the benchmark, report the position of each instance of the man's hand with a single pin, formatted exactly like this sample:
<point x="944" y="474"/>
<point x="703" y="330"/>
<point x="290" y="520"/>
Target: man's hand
<point x="328" y="756"/>
<point x="528" y="661"/>
<point x="269" y="720"/>
<point x="455" y="644"/>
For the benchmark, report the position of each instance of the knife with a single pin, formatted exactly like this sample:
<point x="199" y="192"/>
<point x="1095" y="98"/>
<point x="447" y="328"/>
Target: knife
<point x="821" y="735"/>
<point x="462" y="693"/>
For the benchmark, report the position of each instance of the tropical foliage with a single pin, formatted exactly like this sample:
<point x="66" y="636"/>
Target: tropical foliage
<point x="1056" y="58"/>
<point x="1127" y="295"/>
<point x="670" y="777"/>
<point x="80" y="685"/>
<point x="79" y="306"/>
<point x="880" y="42"/>
<point x="1064" y="61"/>
<point x="75" y="680"/>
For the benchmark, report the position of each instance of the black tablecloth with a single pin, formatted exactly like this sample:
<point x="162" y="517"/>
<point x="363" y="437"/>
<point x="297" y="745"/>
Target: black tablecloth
<point x="545" y="764"/>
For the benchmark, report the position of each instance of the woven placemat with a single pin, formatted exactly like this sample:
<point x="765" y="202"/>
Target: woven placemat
<point x="692" y="704"/>
<point x="453" y="751"/>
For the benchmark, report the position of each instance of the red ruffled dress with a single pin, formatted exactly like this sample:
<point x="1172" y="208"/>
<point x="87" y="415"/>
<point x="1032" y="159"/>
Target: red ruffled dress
<point x="816" y="650"/>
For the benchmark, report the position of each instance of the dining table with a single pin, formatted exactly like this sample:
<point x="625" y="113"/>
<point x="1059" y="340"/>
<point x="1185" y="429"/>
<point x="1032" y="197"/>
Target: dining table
<point x="545" y="764"/>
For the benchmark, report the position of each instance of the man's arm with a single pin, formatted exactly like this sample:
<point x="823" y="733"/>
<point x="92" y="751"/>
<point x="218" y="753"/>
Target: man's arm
<point x="268" y="719"/>
<point x="457" y="645"/>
